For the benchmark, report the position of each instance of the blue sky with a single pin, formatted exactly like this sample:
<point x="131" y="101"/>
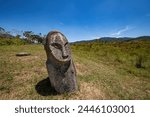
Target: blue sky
<point x="77" y="19"/>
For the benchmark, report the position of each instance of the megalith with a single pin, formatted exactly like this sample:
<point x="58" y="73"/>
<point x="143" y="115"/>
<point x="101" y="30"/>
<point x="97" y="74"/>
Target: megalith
<point x="60" y="66"/>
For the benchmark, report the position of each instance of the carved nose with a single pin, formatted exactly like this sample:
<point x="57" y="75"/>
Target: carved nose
<point x="64" y="57"/>
<point x="64" y="53"/>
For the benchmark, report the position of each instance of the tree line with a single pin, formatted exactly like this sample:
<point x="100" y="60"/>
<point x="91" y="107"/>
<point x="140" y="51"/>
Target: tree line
<point x="28" y="36"/>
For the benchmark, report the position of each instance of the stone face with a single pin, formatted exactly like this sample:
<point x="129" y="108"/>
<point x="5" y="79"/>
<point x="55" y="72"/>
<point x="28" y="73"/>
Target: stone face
<point x="60" y="66"/>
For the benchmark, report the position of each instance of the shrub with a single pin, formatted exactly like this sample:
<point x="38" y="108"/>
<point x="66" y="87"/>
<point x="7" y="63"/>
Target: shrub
<point x="14" y="41"/>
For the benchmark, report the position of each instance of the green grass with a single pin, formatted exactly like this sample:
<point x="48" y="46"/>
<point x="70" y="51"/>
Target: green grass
<point x="104" y="71"/>
<point x="13" y="41"/>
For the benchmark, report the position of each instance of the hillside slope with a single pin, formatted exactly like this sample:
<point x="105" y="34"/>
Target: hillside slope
<point x="116" y="70"/>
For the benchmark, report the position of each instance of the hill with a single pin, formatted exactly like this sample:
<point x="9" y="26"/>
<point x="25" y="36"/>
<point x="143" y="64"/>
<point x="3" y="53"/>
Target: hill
<point x="4" y="34"/>
<point x="110" y="39"/>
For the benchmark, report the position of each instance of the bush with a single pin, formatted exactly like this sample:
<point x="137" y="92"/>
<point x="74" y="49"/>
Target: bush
<point x="14" y="41"/>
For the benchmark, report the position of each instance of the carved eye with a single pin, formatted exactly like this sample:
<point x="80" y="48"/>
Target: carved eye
<point x="56" y="45"/>
<point x="66" y="43"/>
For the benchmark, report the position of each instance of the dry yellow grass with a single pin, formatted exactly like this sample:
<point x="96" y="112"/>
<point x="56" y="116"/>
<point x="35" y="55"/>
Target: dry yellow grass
<point x="89" y="91"/>
<point x="26" y="78"/>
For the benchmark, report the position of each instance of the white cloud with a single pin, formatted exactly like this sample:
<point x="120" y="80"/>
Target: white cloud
<point x="121" y="31"/>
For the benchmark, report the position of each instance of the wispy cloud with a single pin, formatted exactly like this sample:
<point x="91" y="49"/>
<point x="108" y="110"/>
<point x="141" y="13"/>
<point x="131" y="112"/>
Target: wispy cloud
<point x="60" y="23"/>
<point x="121" y="31"/>
<point x="148" y="15"/>
<point x="56" y="23"/>
<point x="95" y="37"/>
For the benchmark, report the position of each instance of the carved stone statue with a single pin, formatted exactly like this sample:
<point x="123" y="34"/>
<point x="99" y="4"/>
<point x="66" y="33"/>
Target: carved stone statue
<point x="60" y="66"/>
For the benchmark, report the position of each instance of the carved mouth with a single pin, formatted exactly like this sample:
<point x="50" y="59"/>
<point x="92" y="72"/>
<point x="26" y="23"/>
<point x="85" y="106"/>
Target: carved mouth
<point x="64" y="60"/>
<point x="61" y="60"/>
<point x="65" y="57"/>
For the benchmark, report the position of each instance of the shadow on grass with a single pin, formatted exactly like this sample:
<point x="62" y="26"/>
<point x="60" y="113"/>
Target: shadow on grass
<point x="44" y="88"/>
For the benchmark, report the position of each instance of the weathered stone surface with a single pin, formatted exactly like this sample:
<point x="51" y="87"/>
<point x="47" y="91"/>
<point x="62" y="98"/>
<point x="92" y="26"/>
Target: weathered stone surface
<point x="23" y="54"/>
<point x="60" y="66"/>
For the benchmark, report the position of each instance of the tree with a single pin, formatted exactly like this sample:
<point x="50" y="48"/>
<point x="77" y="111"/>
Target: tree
<point x="28" y="34"/>
<point x="37" y="38"/>
<point x="33" y="38"/>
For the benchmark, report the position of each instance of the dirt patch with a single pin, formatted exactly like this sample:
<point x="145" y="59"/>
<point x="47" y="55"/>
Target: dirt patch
<point x="88" y="91"/>
<point x="82" y="69"/>
<point x="27" y="58"/>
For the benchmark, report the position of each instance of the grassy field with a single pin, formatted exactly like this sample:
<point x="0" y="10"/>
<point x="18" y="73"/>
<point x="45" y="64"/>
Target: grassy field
<point x="112" y="70"/>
